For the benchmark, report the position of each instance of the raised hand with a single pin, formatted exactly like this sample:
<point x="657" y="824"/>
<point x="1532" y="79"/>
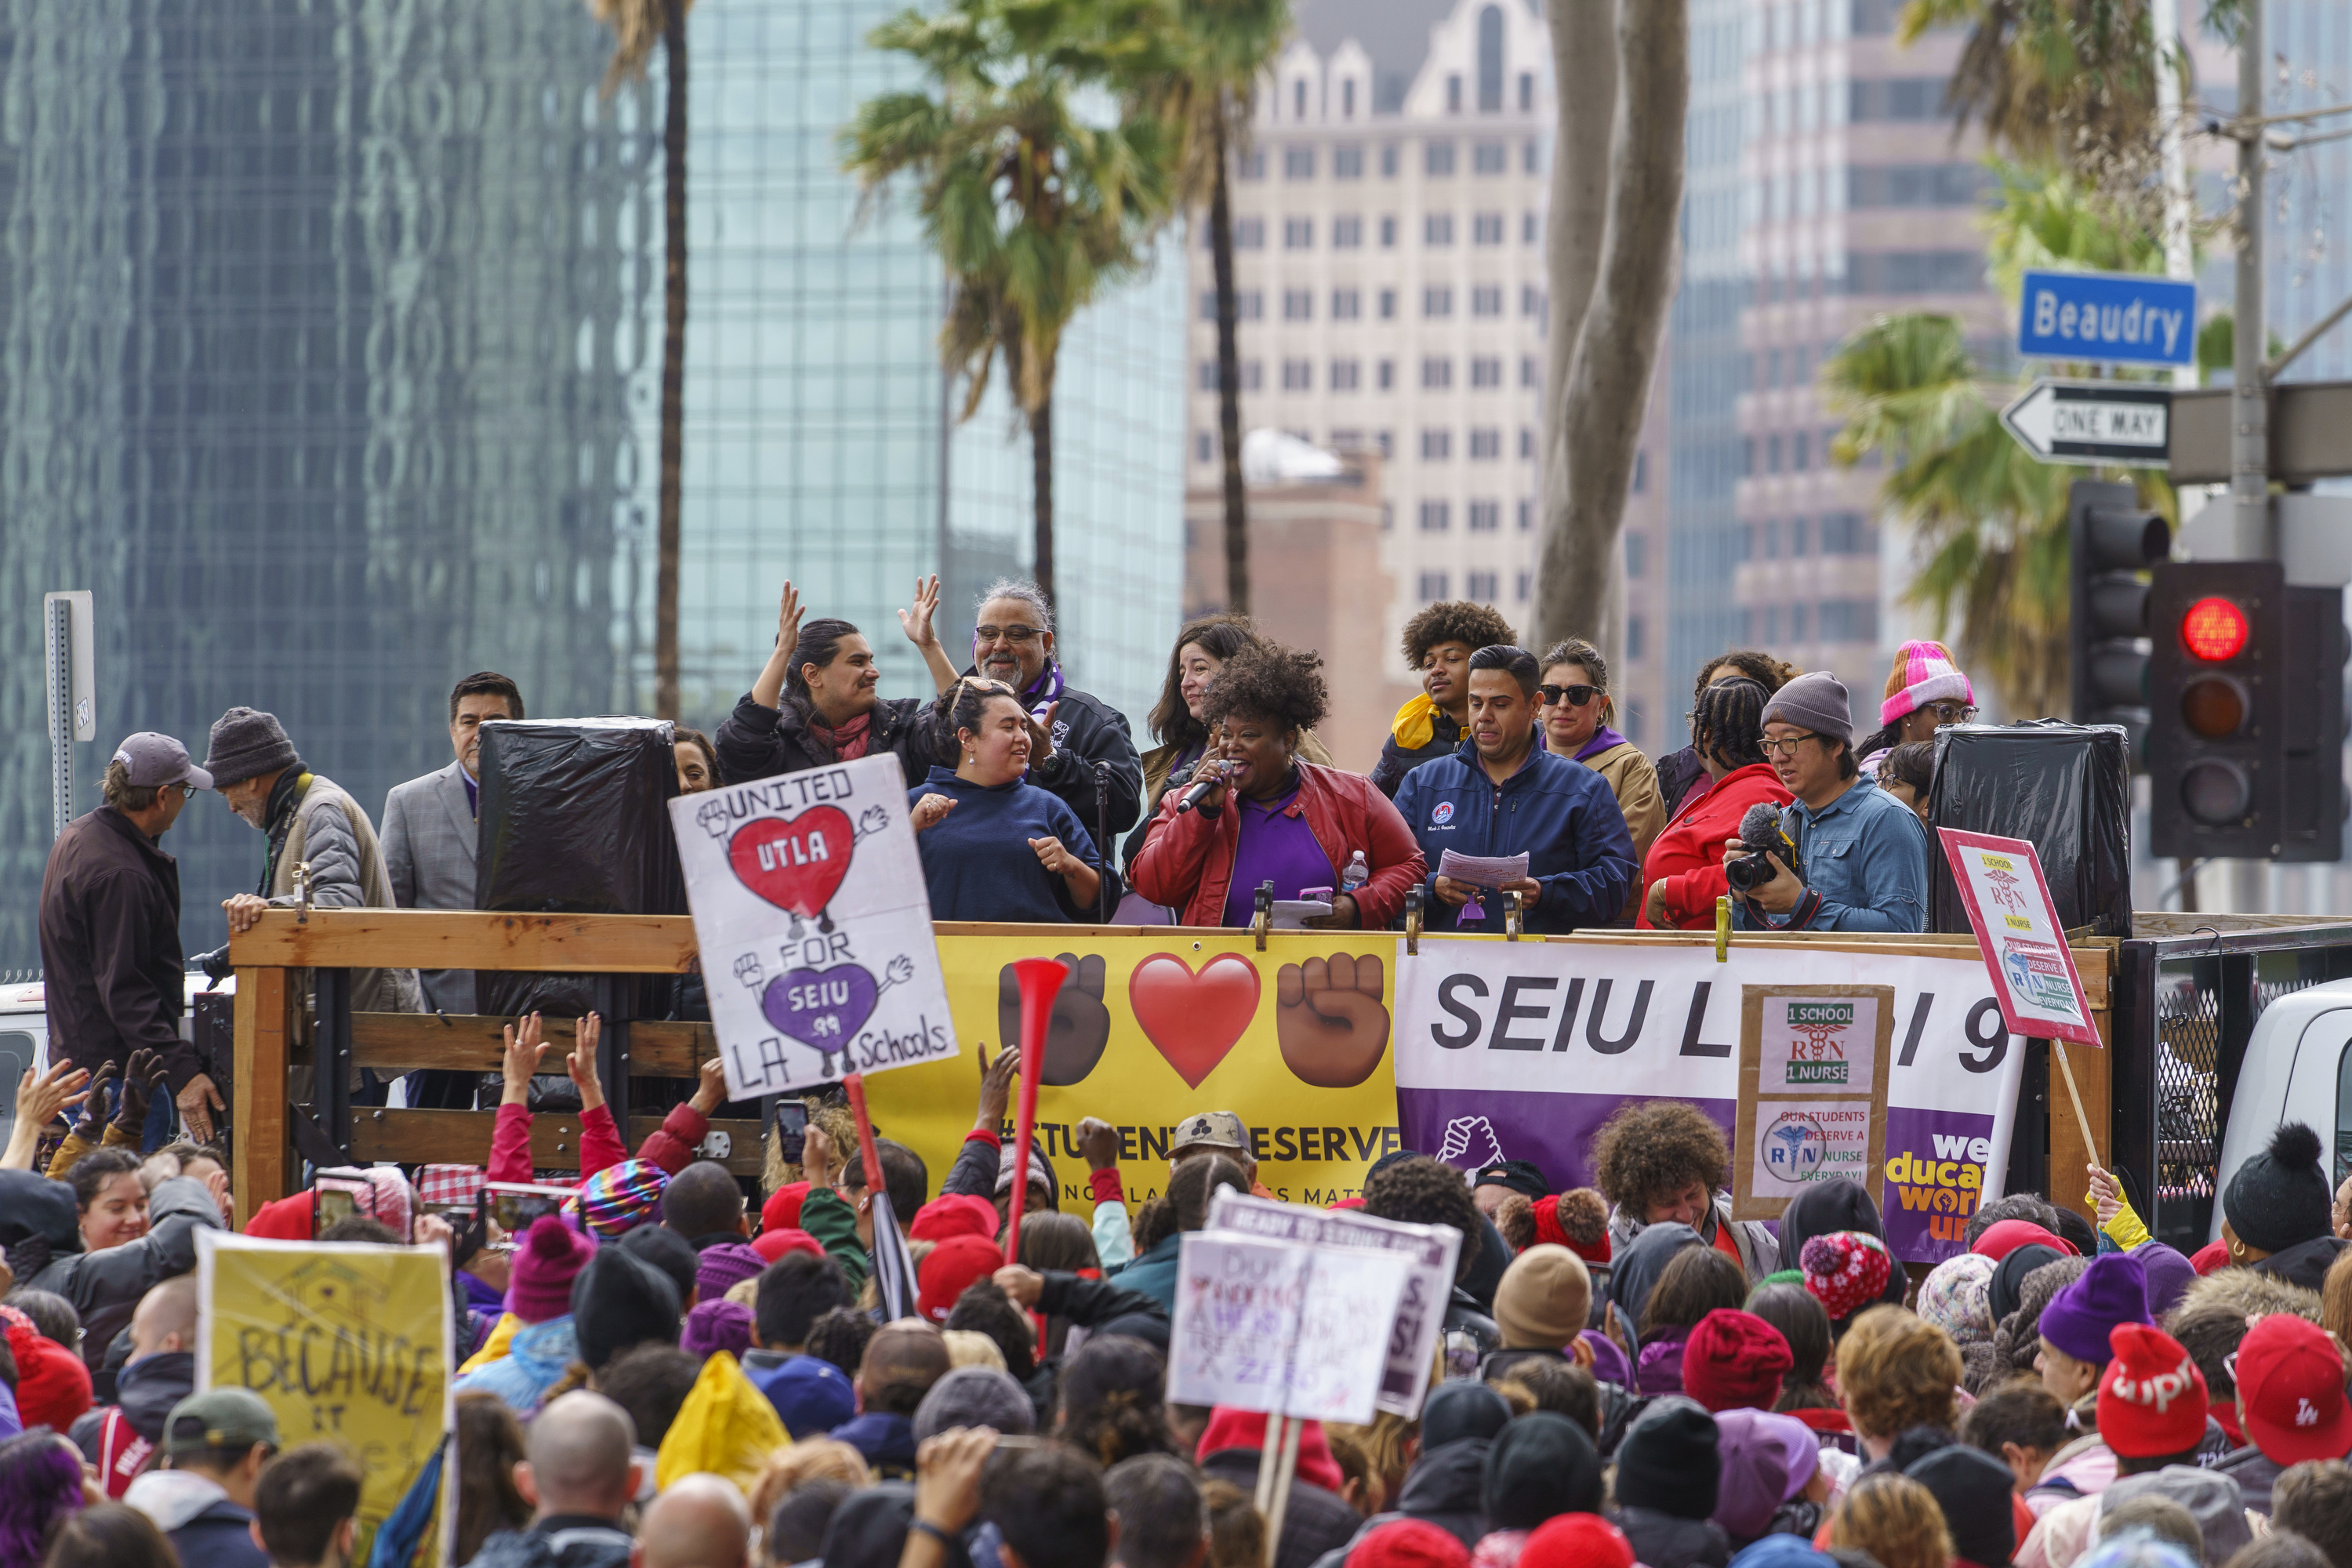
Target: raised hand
<point x="995" y="1086"/>
<point x="788" y="621"/>
<point x="87" y="1126"/>
<point x="524" y="1047"/>
<point x="711" y="1093"/>
<point x="582" y="1063"/>
<point x="916" y="621"/>
<point x="144" y="1071"/>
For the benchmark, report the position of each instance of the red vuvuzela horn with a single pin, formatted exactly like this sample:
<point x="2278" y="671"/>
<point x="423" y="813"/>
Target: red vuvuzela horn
<point x="1040" y="981"/>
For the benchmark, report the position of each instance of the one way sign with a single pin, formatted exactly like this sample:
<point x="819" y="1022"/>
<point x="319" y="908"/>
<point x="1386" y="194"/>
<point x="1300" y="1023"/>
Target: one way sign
<point x="2094" y="422"/>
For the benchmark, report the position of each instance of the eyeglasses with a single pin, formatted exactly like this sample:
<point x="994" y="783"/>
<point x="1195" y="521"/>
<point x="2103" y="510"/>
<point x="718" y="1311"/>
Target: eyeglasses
<point x="1015" y="634"/>
<point x="1951" y="712"/>
<point x="187" y="791"/>
<point x="1574" y="696"/>
<point x="1786" y="746"/>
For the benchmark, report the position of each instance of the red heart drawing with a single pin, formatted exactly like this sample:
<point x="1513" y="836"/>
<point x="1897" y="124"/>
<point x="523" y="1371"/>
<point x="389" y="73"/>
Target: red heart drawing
<point x="1193" y="1019"/>
<point x="795" y="865"/>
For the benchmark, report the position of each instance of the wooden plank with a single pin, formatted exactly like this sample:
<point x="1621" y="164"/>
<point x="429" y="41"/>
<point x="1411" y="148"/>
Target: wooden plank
<point x="259" y="1157"/>
<point x="463" y="1137"/>
<point x="2095" y="1077"/>
<point x="403" y="1042"/>
<point x="469" y="939"/>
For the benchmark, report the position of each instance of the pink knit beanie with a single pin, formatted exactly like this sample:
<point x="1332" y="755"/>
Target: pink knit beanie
<point x="1924" y="672"/>
<point x="541" y="1286"/>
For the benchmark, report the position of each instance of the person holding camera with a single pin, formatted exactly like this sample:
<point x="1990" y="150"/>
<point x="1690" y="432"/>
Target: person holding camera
<point x="1684" y="874"/>
<point x="1852" y="856"/>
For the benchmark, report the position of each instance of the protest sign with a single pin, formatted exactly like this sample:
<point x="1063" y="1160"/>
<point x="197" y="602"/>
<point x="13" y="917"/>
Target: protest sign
<point x="814" y="925"/>
<point x="2008" y="904"/>
<point x="1431" y="1250"/>
<point x="350" y="1344"/>
<point x="1812" y="1091"/>
<point x="1282" y="1328"/>
<point x="1522" y="1050"/>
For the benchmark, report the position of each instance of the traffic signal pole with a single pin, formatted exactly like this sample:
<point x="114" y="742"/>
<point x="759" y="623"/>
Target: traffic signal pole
<point x="2250" y="485"/>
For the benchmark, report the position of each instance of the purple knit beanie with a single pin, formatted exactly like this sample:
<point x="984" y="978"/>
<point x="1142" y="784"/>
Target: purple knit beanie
<point x="724" y="1265"/>
<point x="2112" y="1290"/>
<point x="714" y="1326"/>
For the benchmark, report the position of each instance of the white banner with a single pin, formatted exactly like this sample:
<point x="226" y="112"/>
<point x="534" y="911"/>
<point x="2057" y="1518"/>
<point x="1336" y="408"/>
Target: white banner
<point x="814" y="925"/>
<point x="1279" y="1327"/>
<point x="1521" y="1050"/>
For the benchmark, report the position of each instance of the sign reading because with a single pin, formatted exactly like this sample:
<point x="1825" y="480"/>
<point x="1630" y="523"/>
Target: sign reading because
<point x="1286" y="1329"/>
<point x="1813" y="1083"/>
<point x="1428" y="1286"/>
<point x="2017" y="928"/>
<point x="2112" y="318"/>
<point x="814" y="926"/>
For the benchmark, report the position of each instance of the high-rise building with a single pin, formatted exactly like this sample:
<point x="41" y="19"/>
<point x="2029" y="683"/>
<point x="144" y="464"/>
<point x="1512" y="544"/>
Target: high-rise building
<point x="315" y="335"/>
<point x="1388" y="267"/>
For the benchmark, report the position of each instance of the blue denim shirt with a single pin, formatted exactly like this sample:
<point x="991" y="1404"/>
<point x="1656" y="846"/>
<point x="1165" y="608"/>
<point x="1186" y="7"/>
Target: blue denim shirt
<point x="1864" y="857"/>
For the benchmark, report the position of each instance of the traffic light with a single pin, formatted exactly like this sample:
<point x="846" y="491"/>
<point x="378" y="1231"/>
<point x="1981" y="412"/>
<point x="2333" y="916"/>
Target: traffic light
<point x="2114" y="540"/>
<point x="2217" y="689"/>
<point x="2312" y="747"/>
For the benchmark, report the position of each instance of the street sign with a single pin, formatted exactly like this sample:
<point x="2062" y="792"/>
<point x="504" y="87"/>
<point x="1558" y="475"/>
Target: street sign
<point x="2108" y="318"/>
<point x="2094" y="422"/>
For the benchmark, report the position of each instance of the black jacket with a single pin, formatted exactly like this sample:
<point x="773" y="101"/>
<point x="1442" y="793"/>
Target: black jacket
<point x="1086" y="731"/>
<point x="1442" y="1488"/>
<point x="1091" y="1304"/>
<point x="756" y="743"/>
<point x="1444" y="739"/>
<point x="148" y="1388"/>
<point x="2306" y="1263"/>
<point x="1664" y="1541"/>
<point x="111" y="957"/>
<point x="220" y="1537"/>
<point x="562" y="1542"/>
<point x="105" y="1287"/>
<point x="1317" y="1521"/>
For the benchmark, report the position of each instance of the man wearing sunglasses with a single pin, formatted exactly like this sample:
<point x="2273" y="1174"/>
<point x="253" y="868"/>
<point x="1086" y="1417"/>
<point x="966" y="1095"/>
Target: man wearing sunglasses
<point x="110" y="917"/>
<point x="1864" y="855"/>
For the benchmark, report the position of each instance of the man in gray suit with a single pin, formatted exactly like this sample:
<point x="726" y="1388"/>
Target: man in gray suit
<point x="428" y="847"/>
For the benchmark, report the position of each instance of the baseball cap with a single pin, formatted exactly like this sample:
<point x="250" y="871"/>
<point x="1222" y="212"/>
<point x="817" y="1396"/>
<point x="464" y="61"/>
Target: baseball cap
<point x="1210" y="1129"/>
<point x="2291" y="1377"/>
<point x="153" y="760"/>
<point x="230" y="1418"/>
<point x="1522" y="1176"/>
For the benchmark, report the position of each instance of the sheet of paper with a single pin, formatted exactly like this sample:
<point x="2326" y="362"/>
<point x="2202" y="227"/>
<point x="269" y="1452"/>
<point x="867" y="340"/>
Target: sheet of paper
<point x="1292" y="914"/>
<point x="1483" y="870"/>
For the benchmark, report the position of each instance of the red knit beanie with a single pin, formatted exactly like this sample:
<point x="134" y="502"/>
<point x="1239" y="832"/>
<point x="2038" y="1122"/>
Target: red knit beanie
<point x="1576" y="1541"/>
<point x="773" y="1244"/>
<point x="954" y="1265"/>
<point x="52" y="1383"/>
<point x="1408" y="1543"/>
<point x="1577" y="1219"/>
<point x="1846" y="1270"/>
<point x="2151" y="1397"/>
<point x="1734" y="1359"/>
<point x="957" y="1214"/>
<point x="782" y="1209"/>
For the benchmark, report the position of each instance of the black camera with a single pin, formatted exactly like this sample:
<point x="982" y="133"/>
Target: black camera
<point x="1760" y="834"/>
<point x="1747" y="872"/>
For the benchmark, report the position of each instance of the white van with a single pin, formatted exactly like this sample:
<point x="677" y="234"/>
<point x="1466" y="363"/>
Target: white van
<point x="25" y="1034"/>
<point x="2298" y="1068"/>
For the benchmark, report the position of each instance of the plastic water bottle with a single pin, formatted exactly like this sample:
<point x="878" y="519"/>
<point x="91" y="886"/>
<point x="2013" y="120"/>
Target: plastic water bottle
<point x="1357" y="874"/>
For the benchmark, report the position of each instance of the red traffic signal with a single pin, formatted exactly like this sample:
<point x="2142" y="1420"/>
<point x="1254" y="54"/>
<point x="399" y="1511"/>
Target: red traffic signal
<point x="2215" y="629"/>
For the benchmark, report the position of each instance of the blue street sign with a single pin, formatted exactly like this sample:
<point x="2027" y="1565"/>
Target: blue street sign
<point x="2112" y="318"/>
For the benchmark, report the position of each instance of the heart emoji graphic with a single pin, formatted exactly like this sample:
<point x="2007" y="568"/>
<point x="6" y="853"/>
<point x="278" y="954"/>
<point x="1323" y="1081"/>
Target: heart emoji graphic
<point x="795" y="865"/>
<point x="821" y="1007"/>
<point x="1193" y="1019"/>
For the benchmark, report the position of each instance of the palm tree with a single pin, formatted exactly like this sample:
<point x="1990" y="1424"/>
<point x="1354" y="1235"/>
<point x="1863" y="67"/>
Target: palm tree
<point x="1206" y="88"/>
<point x="1033" y="210"/>
<point x="635" y="24"/>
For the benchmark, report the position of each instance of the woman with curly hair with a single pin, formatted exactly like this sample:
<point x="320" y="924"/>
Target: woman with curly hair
<point x="1202" y="649"/>
<point x="1665" y="1162"/>
<point x="1438" y="642"/>
<point x="1684" y="874"/>
<point x="995" y="846"/>
<point x="1272" y="816"/>
<point x="1682" y="776"/>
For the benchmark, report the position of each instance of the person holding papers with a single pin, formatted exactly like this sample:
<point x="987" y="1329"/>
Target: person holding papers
<point x="1503" y="815"/>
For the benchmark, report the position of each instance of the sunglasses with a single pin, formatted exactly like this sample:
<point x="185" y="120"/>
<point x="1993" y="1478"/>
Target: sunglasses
<point x="1574" y="696"/>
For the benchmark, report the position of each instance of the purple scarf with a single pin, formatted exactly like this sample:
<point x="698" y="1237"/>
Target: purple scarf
<point x="1603" y="739"/>
<point x="1044" y="691"/>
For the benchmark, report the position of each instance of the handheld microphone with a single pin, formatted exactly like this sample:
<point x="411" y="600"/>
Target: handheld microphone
<point x="1202" y="789"/>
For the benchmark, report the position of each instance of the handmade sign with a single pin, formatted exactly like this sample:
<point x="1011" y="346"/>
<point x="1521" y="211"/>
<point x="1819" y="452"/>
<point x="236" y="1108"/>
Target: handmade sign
<point x="1812" y="1090"/>
<point x="1279" y="1327"/>
<point x="2008" y="904"/>
<point x="350" y="1344"/>
<point x="1428" y="1285"/>
<point x="814" y="925"/>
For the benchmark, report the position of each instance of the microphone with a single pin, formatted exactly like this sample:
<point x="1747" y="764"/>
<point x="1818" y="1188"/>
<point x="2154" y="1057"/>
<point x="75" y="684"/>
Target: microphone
<point x="1760" y="827"/>
<point x="1202" y="789"/>
<point x="1759" y="831"/>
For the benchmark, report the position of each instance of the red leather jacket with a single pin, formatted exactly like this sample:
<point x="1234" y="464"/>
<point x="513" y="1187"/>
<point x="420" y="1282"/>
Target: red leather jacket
<point x="1187" y="861"/>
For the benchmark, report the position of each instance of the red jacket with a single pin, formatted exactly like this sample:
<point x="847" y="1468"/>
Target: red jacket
<point x="1187" y="861"/>
<point x="1690" y="854"/>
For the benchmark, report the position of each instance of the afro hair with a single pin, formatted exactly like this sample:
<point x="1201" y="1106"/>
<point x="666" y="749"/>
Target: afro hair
<point x="1766" y="671"/>
<point x="1653" y="1149"/>
<point x="1422" y="1191"/>
<point x="1284" y="685"/>
<point x="1452" y="620"/>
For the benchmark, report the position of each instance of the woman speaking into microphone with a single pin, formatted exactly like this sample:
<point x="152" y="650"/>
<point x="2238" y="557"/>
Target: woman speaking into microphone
<point x="995" y="846"/>
<point x="1256" y="814"/>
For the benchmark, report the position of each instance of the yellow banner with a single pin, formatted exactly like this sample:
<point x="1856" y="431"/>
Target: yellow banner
<point x="1156" y="1024"/>
<point x="349" y="1343"/>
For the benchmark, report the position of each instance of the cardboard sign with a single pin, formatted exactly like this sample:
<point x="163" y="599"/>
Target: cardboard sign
<point x="814" y="925"/>
<point x="1432" y="1250"/>
<point x="1273" y="1326"/>
<point x="2017" y="927"/>
<point x="1813" y="1071"/>
<point x="350" y="1344"/>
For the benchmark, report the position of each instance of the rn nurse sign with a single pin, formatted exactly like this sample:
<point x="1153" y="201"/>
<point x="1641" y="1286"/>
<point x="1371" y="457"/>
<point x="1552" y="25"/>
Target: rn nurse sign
<point x="2111" y="318"/>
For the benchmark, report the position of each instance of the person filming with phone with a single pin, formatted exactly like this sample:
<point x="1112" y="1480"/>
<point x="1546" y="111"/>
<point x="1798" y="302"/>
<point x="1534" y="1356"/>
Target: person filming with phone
<point x="1850" y="856"/>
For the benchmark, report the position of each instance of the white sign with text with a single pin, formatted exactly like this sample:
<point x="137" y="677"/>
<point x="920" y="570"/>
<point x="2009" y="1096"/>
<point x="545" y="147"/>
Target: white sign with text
<point x="1277" y="1327"/>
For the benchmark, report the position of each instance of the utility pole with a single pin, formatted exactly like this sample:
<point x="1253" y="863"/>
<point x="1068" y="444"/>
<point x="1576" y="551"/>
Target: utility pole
<point x="2250" y="425"/>
<point x="2165" y="18"/>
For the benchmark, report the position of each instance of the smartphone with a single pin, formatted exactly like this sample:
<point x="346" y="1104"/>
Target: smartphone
<point x="330" y="1207"/>
<point x="791" y="1128"/>
<point x="514" y="1205"/>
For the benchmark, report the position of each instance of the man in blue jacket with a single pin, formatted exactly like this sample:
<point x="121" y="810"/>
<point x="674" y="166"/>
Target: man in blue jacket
<point x="1502" y="794"/>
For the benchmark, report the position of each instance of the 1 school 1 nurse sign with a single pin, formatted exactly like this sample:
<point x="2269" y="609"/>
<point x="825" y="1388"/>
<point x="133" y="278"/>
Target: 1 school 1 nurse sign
<point x="2112" y="318"/>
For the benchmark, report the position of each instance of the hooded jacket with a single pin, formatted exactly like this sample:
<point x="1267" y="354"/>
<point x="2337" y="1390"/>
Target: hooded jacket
<point x="562" y="1541"/>
<point x="1560" y="814"/>
<point x="105" y="1286"/>
<point x="1760" y="1252"/>
<point x="535" y="1358"/>
<point x="1442" y="1488"/>
<point x="1316" y="1520"/>
<point x="110" y="954"/>
<point x="1398" y="761"/>
<point x="206" y="1530"/>
<point x="1664" y="1541"/>
<point x="756" y="743"/>
<point x="145" y="1392"/>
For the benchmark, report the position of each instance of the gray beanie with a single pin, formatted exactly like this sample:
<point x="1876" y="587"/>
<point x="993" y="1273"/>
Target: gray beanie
<point x="975" y="1396"/>
<point x="247" y="744"/>
<point x="1818" y="702"/>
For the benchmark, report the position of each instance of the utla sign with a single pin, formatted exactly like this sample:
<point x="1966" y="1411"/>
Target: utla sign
<point x="2107" y="318"/>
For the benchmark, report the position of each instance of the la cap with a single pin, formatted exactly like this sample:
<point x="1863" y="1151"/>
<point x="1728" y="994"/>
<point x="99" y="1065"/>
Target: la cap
<point x="2291" y="1376"/>
<point x="154" y="761"/>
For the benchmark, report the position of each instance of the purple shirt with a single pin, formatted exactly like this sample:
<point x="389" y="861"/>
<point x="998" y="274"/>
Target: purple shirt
<point x="1276" y="846"/>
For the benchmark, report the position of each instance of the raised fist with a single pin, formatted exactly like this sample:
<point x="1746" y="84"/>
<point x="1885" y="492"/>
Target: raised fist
<point x="1329" y="1019"/>
<point x="1080" y="1026"/>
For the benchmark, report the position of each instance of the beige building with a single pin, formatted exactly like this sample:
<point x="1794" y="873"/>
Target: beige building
<point x="1389" y="263"/>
